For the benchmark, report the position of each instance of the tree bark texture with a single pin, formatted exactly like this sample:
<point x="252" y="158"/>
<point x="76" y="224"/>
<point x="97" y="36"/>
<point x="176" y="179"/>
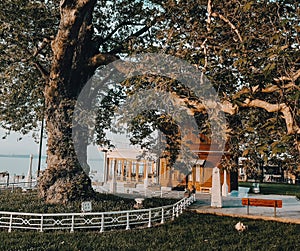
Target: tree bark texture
<point x="64" y="179"/>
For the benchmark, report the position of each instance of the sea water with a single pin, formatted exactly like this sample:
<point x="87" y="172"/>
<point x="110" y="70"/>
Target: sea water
<point x="18" y="166"/>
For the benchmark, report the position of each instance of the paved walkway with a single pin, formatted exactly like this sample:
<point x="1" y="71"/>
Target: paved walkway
<point x="232" y="206"/>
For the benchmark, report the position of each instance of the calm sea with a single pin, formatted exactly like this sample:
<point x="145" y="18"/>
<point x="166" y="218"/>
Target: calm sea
<point x="18" y="165"/>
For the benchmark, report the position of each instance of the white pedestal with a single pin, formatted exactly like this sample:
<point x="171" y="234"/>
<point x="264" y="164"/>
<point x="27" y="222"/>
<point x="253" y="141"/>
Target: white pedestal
<point x="216" y="197"/>
<point x="225" y="186"/>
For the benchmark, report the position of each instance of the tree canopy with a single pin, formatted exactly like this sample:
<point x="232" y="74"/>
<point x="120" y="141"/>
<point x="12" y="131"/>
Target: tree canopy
<point x="249" y="51"/>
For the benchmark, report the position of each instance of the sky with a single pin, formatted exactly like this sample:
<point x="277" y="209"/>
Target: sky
<point x="26" y="146"/>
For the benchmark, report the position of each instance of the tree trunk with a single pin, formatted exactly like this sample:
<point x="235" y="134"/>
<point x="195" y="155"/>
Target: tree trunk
<point x="64" y="179"/>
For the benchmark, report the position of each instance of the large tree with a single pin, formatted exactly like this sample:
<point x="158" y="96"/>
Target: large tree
<point x="248" y="50"/>
<point x="250" y="53"/>
<point x="65" y="42"/>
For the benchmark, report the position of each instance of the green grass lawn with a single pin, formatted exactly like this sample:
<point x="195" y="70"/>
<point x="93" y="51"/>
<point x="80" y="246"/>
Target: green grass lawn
<point x="30" y="203"/>
<point x="275" y="188"/>
<point x="191" y="231"/>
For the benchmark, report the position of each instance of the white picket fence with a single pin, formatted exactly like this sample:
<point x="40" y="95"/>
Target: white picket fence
<point x="94" y="220"/>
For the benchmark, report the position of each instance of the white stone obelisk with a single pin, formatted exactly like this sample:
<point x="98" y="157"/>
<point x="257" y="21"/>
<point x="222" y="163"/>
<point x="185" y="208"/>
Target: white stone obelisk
<point x="225" y="186"/>
<point x="216" y="197"/>
<point x="29" y="173"/>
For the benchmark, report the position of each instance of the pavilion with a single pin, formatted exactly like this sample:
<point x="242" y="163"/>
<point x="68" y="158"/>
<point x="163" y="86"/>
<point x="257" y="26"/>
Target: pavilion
<point x="126" y="170"/>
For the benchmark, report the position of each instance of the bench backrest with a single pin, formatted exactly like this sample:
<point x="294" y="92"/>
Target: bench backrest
<point x="261" y="202"/>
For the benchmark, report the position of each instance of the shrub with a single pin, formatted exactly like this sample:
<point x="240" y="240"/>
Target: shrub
<point x="29" y="202"/>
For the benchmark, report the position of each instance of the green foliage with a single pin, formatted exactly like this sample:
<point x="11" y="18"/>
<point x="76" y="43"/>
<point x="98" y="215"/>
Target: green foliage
<point x="253" y="61"/>
<point x="25" y="30"/>
<point x="246" y="48"/>
<point x="262" y="54"/>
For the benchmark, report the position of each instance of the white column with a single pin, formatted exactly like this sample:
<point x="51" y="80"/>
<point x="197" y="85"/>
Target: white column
<point x="225" y="186"/>
<point x="29" y="174"/>
<point x="146" y="174"/>
<point x="216" y="198"/>
<point x="105" y="166"/>
<point x="113" y="183"/>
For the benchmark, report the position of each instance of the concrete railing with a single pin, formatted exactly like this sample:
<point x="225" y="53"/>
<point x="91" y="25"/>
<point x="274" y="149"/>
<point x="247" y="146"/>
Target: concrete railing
<point x="94" y="220"/>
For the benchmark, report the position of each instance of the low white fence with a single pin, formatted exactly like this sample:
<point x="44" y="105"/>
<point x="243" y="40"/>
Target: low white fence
<point x="18" y="185"/>
<point x="98" y="220"/>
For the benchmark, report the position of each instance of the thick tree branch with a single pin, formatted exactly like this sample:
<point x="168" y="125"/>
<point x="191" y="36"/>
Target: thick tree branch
<point x="209" y="13"/>
<point x="45" y="74"/>
<point x="71" y="46"/>
<point x="231" y="109"/>
<point x="44" y="43"/>
<point x="226" y="106"/>
<point x="294" y="77"/>
<point x="102" y="59"/>
<point x="275" y="88"/>
<point x="230" y="24"/>
<point x="38" y="49"/>
<point x="134" y="35"/>
<point x="100" y="40"/>
<point x="283" y="108"/>
<point x="269" y="89"/>
<point x="42" y="70"/>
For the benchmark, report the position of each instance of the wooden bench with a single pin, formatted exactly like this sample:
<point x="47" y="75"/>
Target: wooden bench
<point x="261" y="203"/>
<point x="205" y="189"/>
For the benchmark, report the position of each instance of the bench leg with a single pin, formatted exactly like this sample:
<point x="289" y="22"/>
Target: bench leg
<point x="248" y="205"/>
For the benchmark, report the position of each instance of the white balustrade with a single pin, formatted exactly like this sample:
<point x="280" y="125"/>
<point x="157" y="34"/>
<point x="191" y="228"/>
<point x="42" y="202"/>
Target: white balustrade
<point x="93" y="220"/>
